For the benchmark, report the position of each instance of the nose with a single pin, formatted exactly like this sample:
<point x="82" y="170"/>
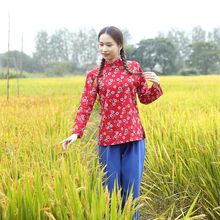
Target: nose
<point x="104" y="48"/>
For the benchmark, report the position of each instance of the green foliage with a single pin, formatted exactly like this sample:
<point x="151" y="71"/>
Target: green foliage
<point x="84" y="49"/>
<point x="63" y="46"/>
<point x="59" y="46"/>
<point x="205" y="56"/>
<point x="181" y="40"/>
<point x="42" y="56"/>
<point x="78" y="52"/>
<point x="12" y="74"/>
<point x="215" y="36"/>
<point x="188" y="71"/>
<point x="157" y="53"/>
<point x="198" y="34"/>
<point x="59" y="68"/>
<point x="17" y="60"/>
<point x="129" y="51"/>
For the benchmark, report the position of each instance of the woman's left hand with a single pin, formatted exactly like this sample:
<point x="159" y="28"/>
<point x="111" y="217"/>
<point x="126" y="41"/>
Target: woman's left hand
<point x="152" y="77"/>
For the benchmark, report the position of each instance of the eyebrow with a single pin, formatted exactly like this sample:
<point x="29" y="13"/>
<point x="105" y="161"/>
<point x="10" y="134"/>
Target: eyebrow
<point x="106" y="42"/>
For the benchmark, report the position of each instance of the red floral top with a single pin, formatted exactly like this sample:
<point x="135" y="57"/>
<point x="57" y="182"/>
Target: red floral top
<point x="117" y="89"/>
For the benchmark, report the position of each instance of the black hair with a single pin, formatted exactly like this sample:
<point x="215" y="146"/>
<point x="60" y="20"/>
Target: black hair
<point x="117" y="36"/>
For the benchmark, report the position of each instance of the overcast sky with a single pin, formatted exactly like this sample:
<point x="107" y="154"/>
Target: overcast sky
<point x="142" y="18"/>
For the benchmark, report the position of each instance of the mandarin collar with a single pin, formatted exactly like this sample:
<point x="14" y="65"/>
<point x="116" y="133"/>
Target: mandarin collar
<point x="117" y="62"/>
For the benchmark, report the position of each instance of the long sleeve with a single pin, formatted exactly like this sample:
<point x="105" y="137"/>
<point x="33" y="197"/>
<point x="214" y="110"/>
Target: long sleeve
<point x="147" y="95"/>
<point x="86" y="105"/>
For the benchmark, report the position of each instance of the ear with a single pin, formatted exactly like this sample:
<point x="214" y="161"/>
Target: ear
<point x="120" y="48"/>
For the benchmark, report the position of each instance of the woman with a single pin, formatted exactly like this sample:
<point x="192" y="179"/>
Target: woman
<point x="121" y="141"/>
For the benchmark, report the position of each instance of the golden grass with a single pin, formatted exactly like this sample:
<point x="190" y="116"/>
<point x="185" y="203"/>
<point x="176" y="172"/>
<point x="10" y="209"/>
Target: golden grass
<point x="40" y="181"/>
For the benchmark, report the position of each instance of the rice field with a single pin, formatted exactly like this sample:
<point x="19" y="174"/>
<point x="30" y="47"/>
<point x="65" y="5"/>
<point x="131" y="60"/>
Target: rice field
<point x="38" y="180"/>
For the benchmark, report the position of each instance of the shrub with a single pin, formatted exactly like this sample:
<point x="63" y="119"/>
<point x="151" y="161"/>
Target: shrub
<point x="188" y="71"/>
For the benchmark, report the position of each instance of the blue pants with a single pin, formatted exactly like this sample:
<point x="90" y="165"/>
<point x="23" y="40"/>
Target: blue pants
<point x="124" y="165"/>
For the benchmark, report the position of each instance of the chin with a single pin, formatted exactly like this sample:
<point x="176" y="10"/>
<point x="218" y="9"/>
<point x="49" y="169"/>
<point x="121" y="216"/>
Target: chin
<point x="108" y="59"/>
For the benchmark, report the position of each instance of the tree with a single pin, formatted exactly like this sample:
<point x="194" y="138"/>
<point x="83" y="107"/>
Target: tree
<point x="14" y="60"/>
<point x="215" y="36"/>
<point x="182" y="41"/>
<point x="157" y="54"/>
<point x="84" y="49"/>
<point x="205" y="56"/>
<point x="198" y="34"/>
<point x="129" y="50"/>
<point x="42" y="55"/>
<point x="126" y="36"/>
<point x="59" y="46"/>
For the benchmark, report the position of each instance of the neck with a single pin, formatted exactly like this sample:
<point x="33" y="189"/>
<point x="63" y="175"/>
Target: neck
<point x="113" y="60"/>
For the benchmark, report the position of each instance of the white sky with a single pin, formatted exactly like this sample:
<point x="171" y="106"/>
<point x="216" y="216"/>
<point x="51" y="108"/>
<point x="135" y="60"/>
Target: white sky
<point x="142" y="18"/>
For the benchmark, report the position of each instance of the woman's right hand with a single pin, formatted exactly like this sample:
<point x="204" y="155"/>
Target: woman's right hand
<point x="68" y="141"/>
<point x="152" y="77"/>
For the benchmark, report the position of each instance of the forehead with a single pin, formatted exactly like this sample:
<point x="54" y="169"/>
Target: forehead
<point x="105" y="38"/>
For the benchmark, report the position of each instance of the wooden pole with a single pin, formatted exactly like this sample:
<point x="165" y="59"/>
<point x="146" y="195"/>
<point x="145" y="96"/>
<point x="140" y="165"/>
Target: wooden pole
<point x="8" y="58"/>
<point x="21" y="66"/>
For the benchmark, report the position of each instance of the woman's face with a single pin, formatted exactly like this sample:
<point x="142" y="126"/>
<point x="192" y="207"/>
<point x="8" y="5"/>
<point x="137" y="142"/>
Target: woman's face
<point x="109" y="49"/>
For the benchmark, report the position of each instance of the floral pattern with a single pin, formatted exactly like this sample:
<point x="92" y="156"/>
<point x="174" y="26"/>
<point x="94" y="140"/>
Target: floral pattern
<point x="118" y="91"/>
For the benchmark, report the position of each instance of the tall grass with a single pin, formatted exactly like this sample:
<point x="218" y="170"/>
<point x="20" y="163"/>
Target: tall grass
<point x="40" y="181"/>
<point x="37" y="179"/>
<point x="183" y="149"/>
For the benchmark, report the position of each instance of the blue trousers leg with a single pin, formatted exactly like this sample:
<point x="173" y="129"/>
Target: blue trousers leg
<point x="110" y="157"/>
<point x="124" y="165"/>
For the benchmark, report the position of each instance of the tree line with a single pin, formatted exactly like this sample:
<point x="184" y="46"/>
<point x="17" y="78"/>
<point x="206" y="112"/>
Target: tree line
<point x="176" y="52"/>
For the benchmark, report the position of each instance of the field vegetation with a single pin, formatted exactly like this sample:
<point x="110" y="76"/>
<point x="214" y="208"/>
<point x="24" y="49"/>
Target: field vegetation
<point x="38" y="180"/>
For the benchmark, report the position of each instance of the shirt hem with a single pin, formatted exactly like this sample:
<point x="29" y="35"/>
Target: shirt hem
<point x="122" y="142"/>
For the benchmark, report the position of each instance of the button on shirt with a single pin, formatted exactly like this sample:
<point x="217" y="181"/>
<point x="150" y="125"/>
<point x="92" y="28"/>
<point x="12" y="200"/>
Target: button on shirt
<point x="117" y="90"/>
